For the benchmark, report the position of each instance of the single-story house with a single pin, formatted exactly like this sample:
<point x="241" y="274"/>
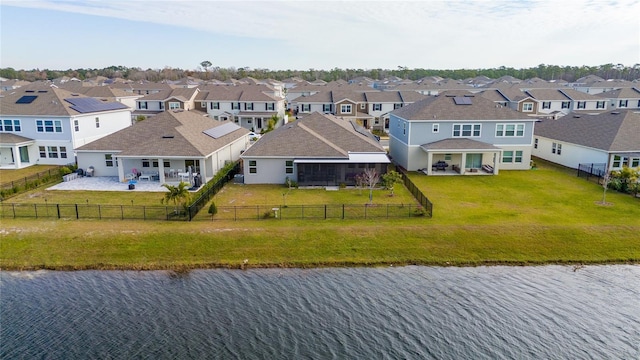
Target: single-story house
<point x="317" y="150"/>
<point x="165" y="146"/>
<point x="611" y="138"/>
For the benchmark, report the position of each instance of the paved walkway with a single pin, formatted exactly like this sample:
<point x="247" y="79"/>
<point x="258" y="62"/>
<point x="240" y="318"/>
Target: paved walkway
<point x="107" y="183"/>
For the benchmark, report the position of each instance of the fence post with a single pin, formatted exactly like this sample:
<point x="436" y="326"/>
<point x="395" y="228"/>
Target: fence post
<point x="121" y="213"/>
<point x="325" y="211"/>
<point x="77" y="215"/>
<point x="258" y="211"/>
<point x="144" y="213"/>
<point x="365" y="210"/>
<point x="58" y="209"/>
<point x="99" y="213"/>
<point x="235" y="213"/>
<point x="35" y="207"/>
<point x="342" y="211"/>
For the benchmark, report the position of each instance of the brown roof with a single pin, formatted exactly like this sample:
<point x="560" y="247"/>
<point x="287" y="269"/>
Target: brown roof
<point x="171" y="133"/>
<point x="624" y="93"/>
<point x="13" y="139"/>
<point x="547" y="94"/>
<point x="578" y="95"/>
<point x="444" y="107"/>
<point x="315" y="136"/>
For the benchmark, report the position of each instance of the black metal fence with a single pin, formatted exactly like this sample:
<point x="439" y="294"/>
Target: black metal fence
<point x="593" y="171"/>
<point x="336" y="211"/>
<point x="92" y="212"/>
<point x="210" y="190"/>
<point x="417" y="193"/>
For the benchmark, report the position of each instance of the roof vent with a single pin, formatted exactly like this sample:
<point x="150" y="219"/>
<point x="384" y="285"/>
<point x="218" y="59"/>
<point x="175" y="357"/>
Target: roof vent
<point x="615" y="112"/>
<point x="167" y="136"/>
<point x="29" y="91"/>
<point x="75" y="94"/>
<point x="576" y="116"/>
<point x="42" y="91"/>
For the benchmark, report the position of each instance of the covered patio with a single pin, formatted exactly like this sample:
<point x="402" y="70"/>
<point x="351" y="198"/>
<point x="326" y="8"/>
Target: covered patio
<point x="461" y="157"/>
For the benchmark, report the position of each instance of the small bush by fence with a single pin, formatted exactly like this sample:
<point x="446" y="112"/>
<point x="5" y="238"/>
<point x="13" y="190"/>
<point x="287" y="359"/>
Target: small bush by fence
<point x="34" y="181"/>
<point x="336" y="211"/>
<point x="203" y="196"/>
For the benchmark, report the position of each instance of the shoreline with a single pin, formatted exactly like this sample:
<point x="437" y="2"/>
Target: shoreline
<point x="183" y="269"/>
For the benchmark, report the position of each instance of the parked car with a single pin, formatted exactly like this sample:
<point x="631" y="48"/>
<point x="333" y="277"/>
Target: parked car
<point x="254" y="136"/>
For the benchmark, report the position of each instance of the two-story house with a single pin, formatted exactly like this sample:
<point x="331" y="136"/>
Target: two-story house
<point x="583" y="102"/>
<point x="460" y="132"/>
<point x="553" y="101"/>
<point x="250" y="106"/>
<point x="623" y="99"/>
<point x="41" y="124"/>
<point x="152" y="104"/>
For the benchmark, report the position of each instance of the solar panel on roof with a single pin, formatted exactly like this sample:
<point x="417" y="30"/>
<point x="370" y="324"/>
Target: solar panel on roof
<point x="222" y="130"/>
<point x="462" y="100"/>
<point x="27" y="99"/>
<point x="89" y="105"/>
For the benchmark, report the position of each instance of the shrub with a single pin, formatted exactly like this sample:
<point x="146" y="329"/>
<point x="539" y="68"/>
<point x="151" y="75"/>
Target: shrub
<point x="213" y="209"/>
<point x="65" y="171"/>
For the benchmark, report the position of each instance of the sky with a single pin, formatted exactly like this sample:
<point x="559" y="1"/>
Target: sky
<point x="302" y="35"/>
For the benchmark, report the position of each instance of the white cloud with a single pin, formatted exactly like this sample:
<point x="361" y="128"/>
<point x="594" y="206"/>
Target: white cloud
<point x="430" y="34"/>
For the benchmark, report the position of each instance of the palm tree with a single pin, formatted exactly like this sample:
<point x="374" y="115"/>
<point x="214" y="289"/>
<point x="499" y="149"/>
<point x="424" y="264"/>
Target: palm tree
<point x="176" y="194"/>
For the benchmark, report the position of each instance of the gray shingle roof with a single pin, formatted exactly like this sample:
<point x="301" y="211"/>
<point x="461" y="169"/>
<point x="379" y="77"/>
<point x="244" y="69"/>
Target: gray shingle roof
<point x="12" y="139"/>
<point x="171" y="133"/>
<point x="314" y="136"/>
<point x="443" y="107"/>
<point x="610" y="131"/>
<point x="547" y="94"/>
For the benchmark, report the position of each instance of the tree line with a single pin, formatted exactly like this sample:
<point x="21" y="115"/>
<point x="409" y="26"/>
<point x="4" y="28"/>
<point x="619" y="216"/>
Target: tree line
<point x="207" y="71"/>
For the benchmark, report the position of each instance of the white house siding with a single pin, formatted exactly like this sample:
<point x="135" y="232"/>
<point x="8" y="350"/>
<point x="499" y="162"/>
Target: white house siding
<point x="109" y="123"/>
<point x="269" y="171"/>
<point x="555" y="106"/>
<point x="228" y="153"/>
<point x="98" y="161"/>
<point x="398" y="151"/>
<point x="571" y="154"/>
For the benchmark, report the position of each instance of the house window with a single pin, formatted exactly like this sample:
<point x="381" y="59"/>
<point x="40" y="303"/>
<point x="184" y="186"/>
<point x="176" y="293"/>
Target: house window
<point x="363" y="106"/>
<point x="600" y="105"/>
<point x="43" y="151"/>
<point x="248" y="106"/>
<point x="404" y="128"/>
<point x="271" y="106"/>
<point x="566" y="104"/>
<point x="203" y="105"/>
<point x="76" y="125"/>
<point x="377" y="107"/>
<point x="289" y="167"/>
<point x="174" y="105"/>
<point x="10" y="125"/>
<point x="466" y="130"/>
<point x="345" y="108"/>
<point x="397" y="106"/>
<point x="527" y="107"/>
<point x="535" y="143"/>
<point x="167" y="164"/>
<point x="63" y="152"/>
<point x="638" y="103"/>
<point x="623" y="103"/>
<point x="510" y="130"/>
<point x="518" y="157"/>
<point x="97" y="122"/>
<point x="582" y="104"/>
<point x="253" y="167"/>
<point x="546" y="105"/>
<point x="235" y="106"/>
<point x="155" y="163"/>
<point x="635" y="162"/>
<point x="507" y="156"/>
<point x="53" y="151"/>
<point x="161" y="105"/>
<point x="618" y="161"/>
<point x="49" y="126"/>
<point x="435" y="128"/>
<point x="306" y="107"/>
<point x="145" y="163"/>
<point x="556" y="148"/>
<point x="447" y="156"/>
<point x="326" y="108"/>
<point x="215" y="105"/>
<point x="108" y="158"/>
<point x="142" y="105"/>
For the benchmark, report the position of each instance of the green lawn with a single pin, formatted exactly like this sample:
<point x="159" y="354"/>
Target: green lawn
<point x="548" y="195"/>
<point x="540" y="216"/>
<point x="20" y="174"/>
<point x="87" y="197"/>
